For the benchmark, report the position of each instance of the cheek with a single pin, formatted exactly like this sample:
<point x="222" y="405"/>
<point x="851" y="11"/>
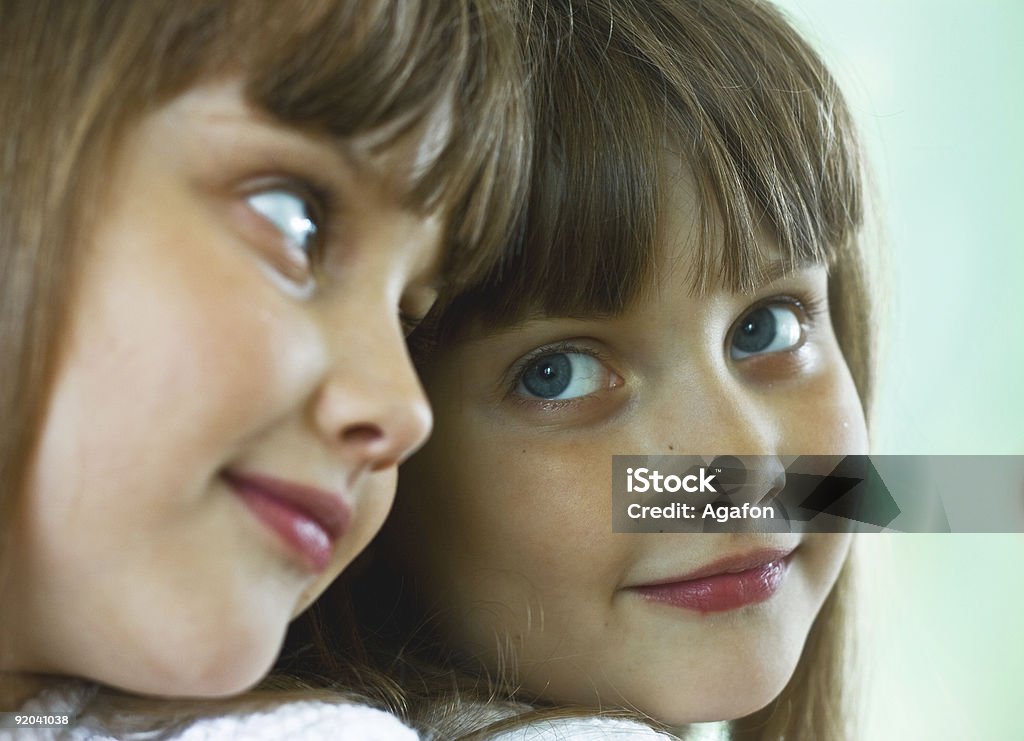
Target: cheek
<point x="502" y="521"/>
<point x="513" y="496"/>
<point x="824" y="416"/>
<point x="170" y="368"/>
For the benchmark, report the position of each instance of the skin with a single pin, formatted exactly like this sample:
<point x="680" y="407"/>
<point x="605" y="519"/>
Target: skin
<point x="206" y="336"/>
<point x="508" y="507"/>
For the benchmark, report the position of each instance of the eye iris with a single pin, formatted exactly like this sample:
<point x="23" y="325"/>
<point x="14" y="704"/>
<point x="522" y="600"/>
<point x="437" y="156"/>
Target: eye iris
<point x="756" y="332"/>
<point x="549" y="376"/>
<point x="289" y="213"/>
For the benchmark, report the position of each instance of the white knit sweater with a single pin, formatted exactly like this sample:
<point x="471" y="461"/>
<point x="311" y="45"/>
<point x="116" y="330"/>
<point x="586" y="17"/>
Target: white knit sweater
<point x="307" y="720"/>
<point x="592" y="728"/>
<point x="311" y="720"/>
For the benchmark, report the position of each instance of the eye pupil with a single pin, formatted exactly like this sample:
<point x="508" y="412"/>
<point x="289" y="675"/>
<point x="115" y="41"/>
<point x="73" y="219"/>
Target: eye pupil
<point x="549" y="376"/>
<point x="756" y="332"/>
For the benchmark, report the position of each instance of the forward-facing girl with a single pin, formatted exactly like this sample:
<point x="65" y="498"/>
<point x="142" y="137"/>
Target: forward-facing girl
<point x="688" y="281"/>
<point x="215" y="218"/>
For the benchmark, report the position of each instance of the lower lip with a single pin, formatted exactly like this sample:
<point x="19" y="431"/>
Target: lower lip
<point x="301" y="533"/>
<point x="721" y="592"/>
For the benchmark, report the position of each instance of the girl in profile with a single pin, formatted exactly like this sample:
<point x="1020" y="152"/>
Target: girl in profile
<point x="688" y="281"/>
<point x="219" y="220"/>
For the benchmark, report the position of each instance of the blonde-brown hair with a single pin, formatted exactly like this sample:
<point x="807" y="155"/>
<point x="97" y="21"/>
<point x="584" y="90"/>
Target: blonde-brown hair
<point x="745" y="102"/>
<point x="75" y="75"/>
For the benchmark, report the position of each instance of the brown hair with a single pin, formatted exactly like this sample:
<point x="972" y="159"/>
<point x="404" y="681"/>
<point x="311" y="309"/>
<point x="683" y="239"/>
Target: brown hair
<point x="75" y="75"/>
<point x="734" y="90"/>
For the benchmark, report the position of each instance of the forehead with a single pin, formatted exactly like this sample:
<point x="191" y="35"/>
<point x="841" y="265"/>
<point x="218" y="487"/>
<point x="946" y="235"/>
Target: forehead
<point x="689" y="247"/>
<point x="395" y="157"/>
<point x="404" y="153"/>
<point x="678" y="235"/>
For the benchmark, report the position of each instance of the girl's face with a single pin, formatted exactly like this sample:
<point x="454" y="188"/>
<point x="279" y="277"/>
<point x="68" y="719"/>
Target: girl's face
<point x="505" y="517"/>
<point x="233" y="399"/>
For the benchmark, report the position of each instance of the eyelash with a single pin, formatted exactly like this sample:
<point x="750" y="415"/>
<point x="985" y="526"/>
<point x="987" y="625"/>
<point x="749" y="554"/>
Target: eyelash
<point x="323" y="206"/>
<point x="409" y="323"/>
<point x="318" y="197"/>
<point x="518" y="371"/>
<point x="810" y="308"/>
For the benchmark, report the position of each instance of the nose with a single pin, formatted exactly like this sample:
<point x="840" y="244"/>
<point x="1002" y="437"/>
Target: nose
<point x="370" y="406"/>
<point x="754" y="480"/>
<point x="727" y="420"/>
<point x="732" y="427"/>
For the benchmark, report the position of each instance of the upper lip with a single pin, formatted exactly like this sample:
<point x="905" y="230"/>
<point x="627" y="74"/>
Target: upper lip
<point x="326" y="508"/>
<point x="732" y="564"/>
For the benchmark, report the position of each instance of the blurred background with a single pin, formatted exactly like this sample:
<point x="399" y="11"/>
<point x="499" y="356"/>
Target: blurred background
<point x="937" y="88"/>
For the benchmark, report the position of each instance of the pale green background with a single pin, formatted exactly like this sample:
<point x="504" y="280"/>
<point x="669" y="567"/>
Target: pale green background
<point x="938" y="90"/>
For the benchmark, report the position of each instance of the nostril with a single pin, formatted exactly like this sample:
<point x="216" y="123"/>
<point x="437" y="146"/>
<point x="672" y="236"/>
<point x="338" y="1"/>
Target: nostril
<point x="362" y="434"/>
<point x="371" y="445"/>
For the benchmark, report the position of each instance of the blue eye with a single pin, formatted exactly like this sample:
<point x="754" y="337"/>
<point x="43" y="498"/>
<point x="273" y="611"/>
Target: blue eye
<point x="563" y="375"/>
<point x="290" y="214"/>
<point x="765" y="330"/>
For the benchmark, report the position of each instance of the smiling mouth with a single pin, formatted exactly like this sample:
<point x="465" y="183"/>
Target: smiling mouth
<point x="724" y="585"/>
<point x="309" y="521"/>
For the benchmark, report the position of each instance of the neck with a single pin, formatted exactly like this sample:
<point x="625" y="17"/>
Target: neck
<point x="17" y="689"/>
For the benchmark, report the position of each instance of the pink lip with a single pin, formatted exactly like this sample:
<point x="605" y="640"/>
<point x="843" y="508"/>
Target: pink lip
<point x="726" y="584"/>
<point x="307" y="519"/>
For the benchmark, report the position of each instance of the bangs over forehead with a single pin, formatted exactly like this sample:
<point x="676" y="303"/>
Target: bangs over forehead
<point x="622" y="85"/>
<point x="389" y="69"/>
<point x="447" y="70"/>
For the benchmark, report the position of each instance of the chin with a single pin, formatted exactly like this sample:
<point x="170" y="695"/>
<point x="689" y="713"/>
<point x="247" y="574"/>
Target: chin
<point x="716" y="696"/>
<point x="217" y="666"/>
<point x="744" y="702"/>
